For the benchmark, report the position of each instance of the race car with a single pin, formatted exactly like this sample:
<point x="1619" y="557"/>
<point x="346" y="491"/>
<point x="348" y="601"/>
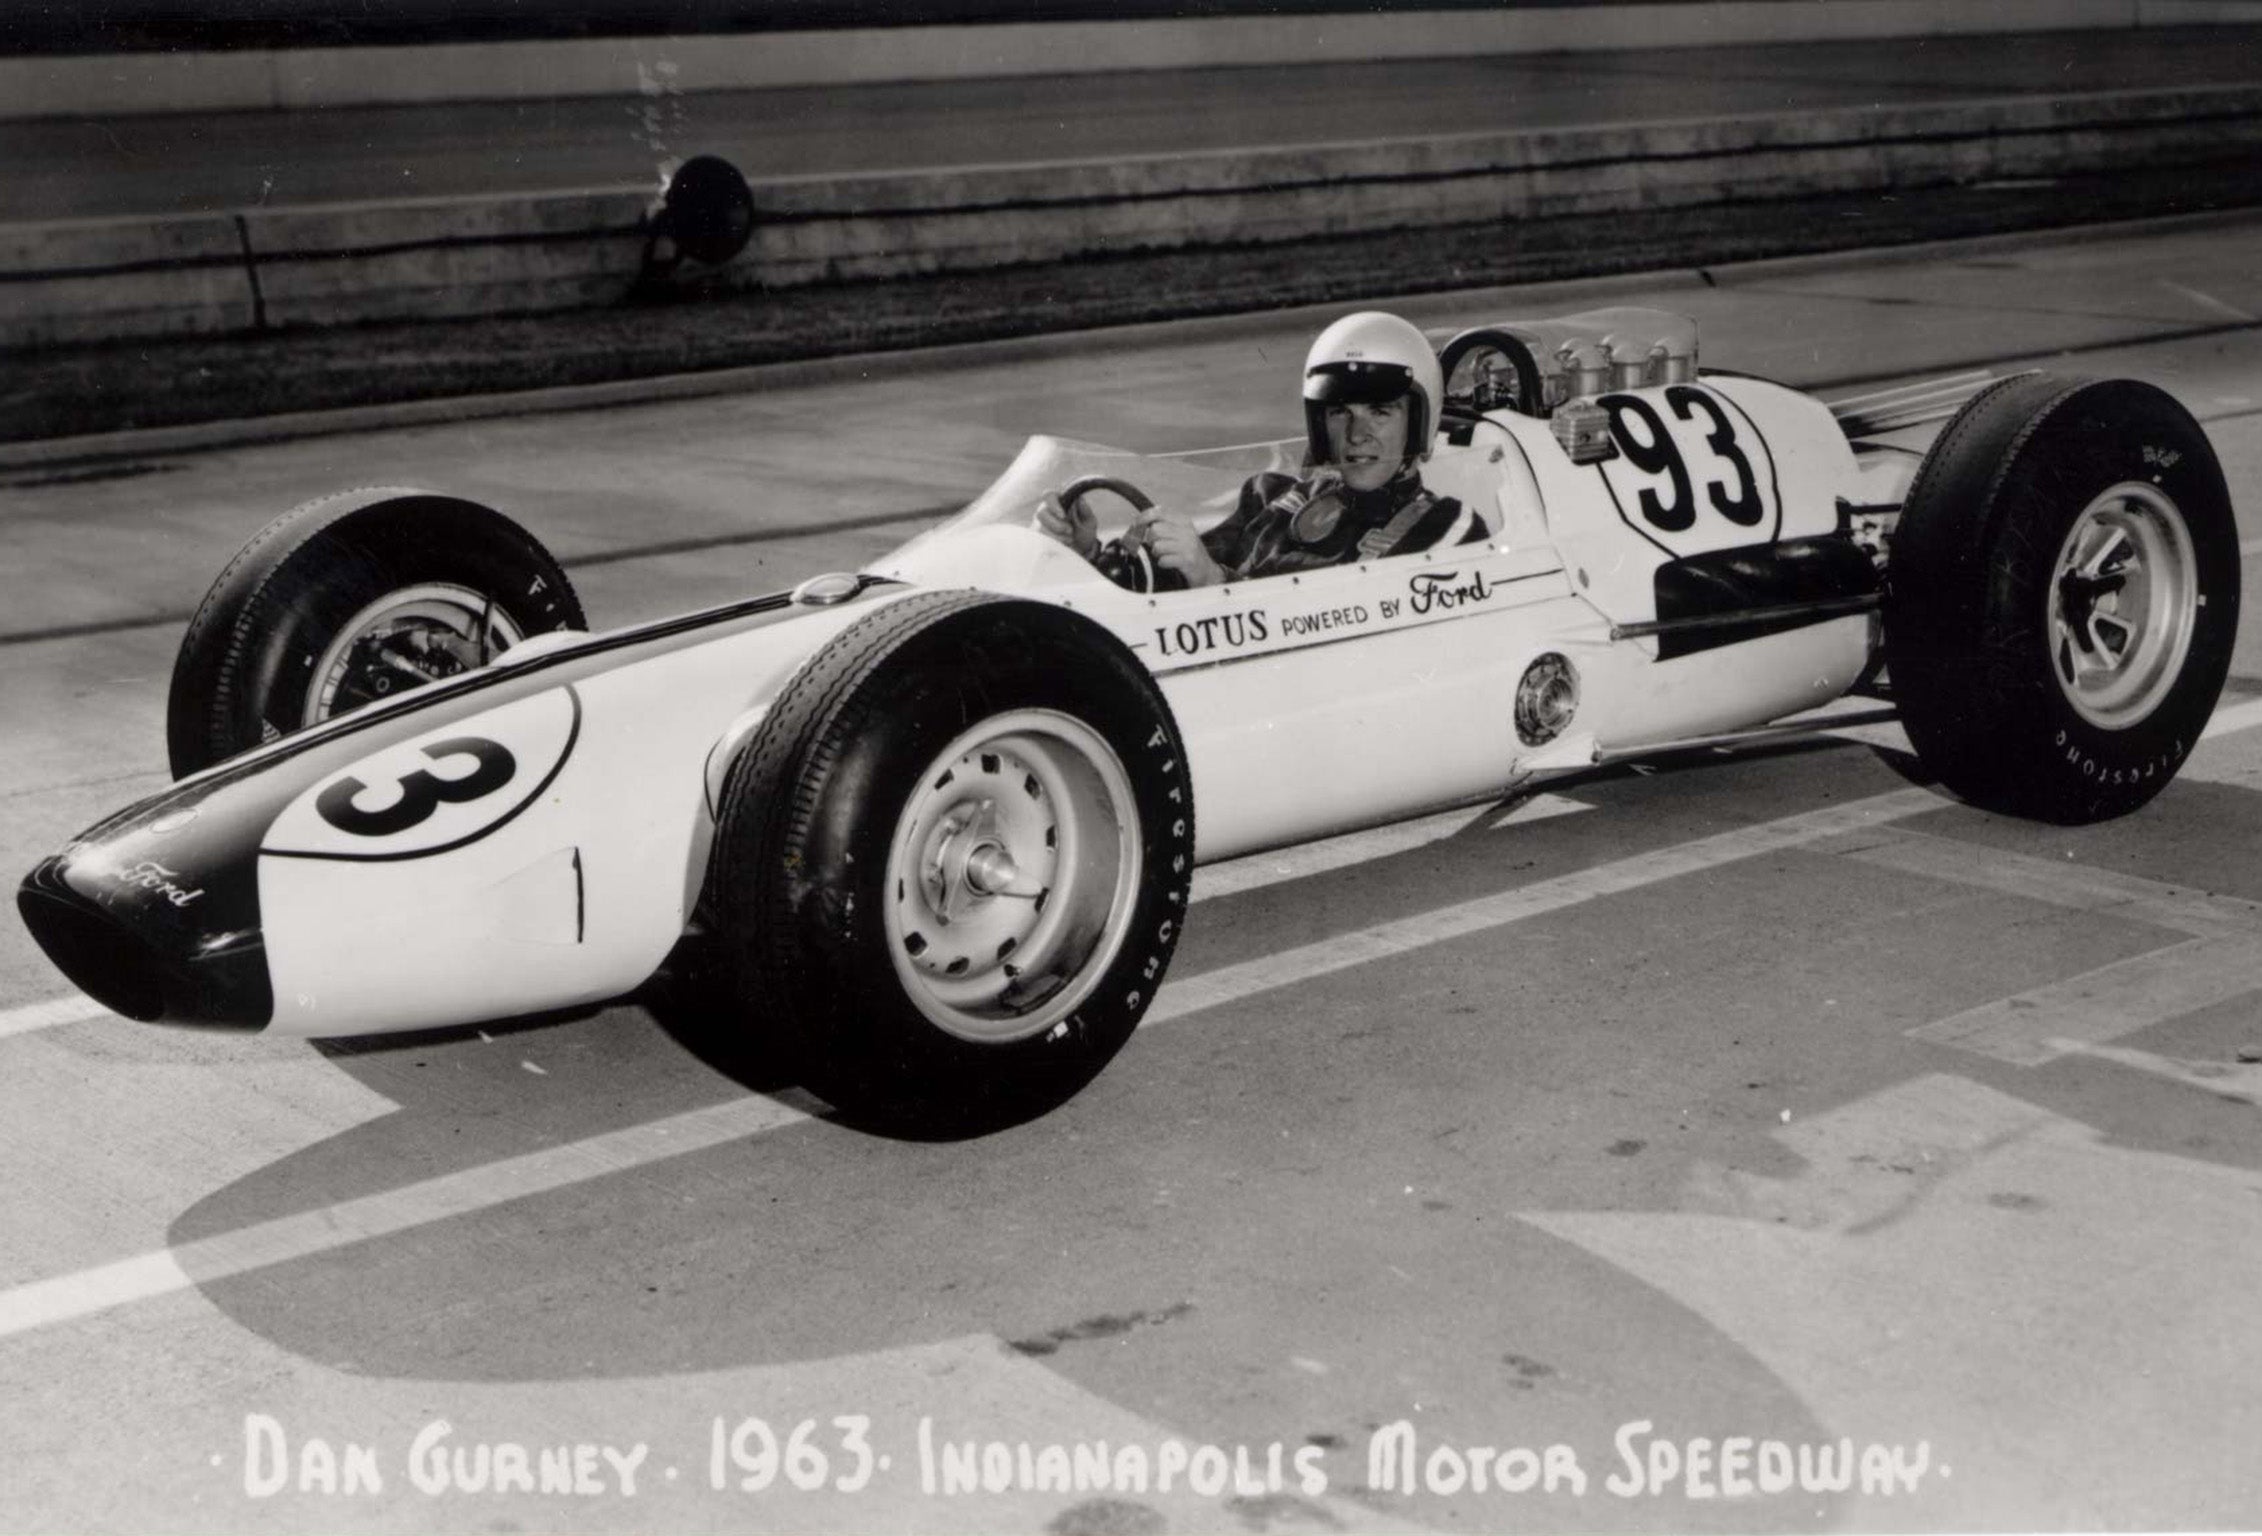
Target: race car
<point x="930" y="826"/>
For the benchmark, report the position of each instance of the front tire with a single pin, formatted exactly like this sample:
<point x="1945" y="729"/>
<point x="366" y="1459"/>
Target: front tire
<point x="953" y="862"/>
<point x="2062" y="597"/>
<point x="350" y="598"/>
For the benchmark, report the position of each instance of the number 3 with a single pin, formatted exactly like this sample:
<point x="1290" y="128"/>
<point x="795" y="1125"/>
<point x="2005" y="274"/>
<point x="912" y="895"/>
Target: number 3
<point x="1743" y="508"/>
<point x="421" y="792"/>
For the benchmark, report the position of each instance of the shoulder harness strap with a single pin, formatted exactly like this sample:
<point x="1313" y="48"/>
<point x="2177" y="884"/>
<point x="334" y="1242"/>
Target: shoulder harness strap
<point x="1377" y="542"/>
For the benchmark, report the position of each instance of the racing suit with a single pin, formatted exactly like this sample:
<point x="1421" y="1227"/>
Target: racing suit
<point x="1284" y="524"/>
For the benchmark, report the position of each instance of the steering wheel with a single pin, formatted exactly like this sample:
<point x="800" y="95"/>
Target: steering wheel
<point x="1145" y="578"/>
<point x="1498" y="371"/>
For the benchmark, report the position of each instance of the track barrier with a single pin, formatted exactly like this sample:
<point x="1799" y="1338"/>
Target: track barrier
<point x="213" y="274"/>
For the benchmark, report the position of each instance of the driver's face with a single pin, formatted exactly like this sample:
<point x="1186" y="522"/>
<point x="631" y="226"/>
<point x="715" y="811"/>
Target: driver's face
<point x="1367" y="442"/>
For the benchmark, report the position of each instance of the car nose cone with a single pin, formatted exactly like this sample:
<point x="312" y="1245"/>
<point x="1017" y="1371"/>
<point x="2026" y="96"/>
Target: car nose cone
<point x="155" y="913"/>
<point x="134" y="964"/>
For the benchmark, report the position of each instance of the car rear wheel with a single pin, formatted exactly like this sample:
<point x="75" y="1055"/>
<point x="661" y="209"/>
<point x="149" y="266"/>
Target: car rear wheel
<point x="349" y="599"/>
<point x="953" y="861"/>
<point x="2062" y="597"/>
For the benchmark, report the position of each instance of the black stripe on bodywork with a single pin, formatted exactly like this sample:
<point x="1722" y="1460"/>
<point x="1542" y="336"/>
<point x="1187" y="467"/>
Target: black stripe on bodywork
<point x="247" y="799"/>
<point x="513" y="680"/>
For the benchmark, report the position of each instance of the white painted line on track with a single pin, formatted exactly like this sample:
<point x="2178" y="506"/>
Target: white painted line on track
<point x="2041" y="1025"/>
<point x="2214" y="1077"/>
<point x="2220" y="960"/>
<point x="144" y="1277"/>
<point x="61" y="1010"/>
<point x="2082" y="887"/>
<point x="1235" y="983"/>
<point x="147" y="1276"/>
<point x="2235" y="717"/>
<point x="2251" y="547"/>
<point x="2207" y="301"/>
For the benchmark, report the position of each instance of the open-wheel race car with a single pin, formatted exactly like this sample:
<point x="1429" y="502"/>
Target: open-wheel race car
<point x="933" y="823"/>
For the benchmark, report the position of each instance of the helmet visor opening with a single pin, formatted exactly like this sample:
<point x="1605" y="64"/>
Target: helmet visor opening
<point x="1357" y="383"/>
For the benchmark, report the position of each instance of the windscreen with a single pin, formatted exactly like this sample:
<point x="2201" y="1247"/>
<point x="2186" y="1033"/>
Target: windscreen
<point x="1203" y="484"/>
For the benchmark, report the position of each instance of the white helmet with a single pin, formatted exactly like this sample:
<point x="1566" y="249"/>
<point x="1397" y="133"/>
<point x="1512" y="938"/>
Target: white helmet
<point x="1368" y="358"/>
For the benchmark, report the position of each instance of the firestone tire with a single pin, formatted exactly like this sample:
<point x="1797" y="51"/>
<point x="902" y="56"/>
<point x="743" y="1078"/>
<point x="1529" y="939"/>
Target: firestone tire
<point x="953" y="862"/>
<point x="348" y="598"/>
<point x="2062" y="597"/>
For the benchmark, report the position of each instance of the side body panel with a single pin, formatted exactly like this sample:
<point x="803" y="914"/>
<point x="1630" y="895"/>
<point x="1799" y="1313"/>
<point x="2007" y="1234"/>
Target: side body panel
<point x="1341" y="698"/>
<point x="575" y="898"/>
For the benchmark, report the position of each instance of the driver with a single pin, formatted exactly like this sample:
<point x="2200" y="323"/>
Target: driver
<point x="1371" y="387"/>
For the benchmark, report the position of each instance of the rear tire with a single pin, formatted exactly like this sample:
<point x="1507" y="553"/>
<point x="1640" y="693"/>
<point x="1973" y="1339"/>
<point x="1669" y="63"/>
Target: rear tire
<point x="953" y="862"/>
<point x="2062" y="597"/>
<point x="348" y="598"/>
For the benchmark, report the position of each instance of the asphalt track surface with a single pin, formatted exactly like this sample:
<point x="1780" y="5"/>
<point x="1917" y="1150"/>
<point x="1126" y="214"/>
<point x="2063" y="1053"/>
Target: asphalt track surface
<point x="1766" y="1096"/>
<point x="220" y="162"/>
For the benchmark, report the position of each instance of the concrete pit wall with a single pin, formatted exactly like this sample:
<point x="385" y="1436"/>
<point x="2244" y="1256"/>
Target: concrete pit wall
<point x="106" y="280"/>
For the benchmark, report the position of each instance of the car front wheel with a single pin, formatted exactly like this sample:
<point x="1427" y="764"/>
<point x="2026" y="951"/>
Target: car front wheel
<point x="952" y="863"/>
<point x="350" y="599"/>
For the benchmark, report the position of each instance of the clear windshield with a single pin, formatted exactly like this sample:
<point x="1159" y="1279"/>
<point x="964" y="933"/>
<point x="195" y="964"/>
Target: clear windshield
<point x="1203" y="485"/>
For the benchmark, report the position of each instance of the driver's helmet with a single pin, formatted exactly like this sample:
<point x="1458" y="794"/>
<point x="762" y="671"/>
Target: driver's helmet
<point x="1365" y="359"/>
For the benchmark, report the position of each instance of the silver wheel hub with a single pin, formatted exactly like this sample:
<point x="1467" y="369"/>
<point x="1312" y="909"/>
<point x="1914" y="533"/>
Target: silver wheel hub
<point x="406" y="638"/>
<point x="1012" y="876"/>
<point x="2124" y="600"/>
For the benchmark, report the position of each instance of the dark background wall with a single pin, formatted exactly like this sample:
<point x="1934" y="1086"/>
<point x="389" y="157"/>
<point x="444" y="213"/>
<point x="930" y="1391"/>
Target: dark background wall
<point x="104" y="26"/>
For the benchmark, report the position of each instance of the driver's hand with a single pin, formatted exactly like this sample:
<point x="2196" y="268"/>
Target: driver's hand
<point x="1177" y="548"/>
<point x="1077" y="527"/>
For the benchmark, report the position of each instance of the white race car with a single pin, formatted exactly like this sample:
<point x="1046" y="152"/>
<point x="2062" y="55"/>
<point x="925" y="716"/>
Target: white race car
<point x="935" y="821"/>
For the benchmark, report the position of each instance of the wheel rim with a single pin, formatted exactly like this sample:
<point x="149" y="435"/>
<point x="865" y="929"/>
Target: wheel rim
<point x="1011" y="876"/>
<point x="406" y="638"/>
<point x="2124" y="600"/>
